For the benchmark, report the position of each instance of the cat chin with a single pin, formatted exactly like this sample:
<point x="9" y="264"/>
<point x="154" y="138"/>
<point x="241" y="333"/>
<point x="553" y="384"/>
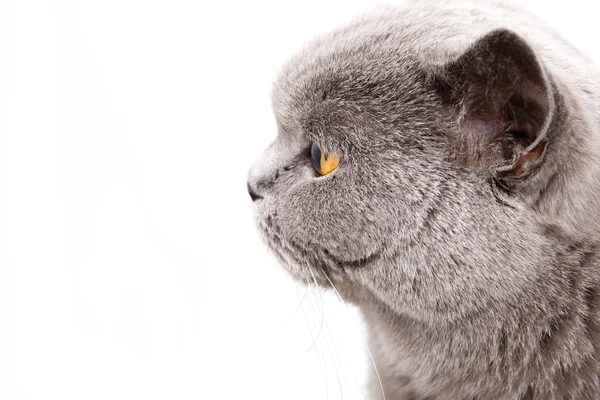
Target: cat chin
<point x="309" y="277"/>
<point x="345" y="289"/>
<point x="318" y="267"/>
<point x="285" y="253"/>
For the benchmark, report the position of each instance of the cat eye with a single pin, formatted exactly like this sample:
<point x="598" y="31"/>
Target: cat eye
<point x="324" y="162"/>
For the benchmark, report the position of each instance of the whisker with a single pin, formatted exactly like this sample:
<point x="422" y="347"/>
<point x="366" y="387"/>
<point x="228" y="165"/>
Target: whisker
<point x="299" y="305"/>
<point x="325" y="338"/>
<point x="363" y="340"/>
<point x="330" y="318"/>
<point x="322" y="313"/>
<point x="336" y="358"/>
<point x="321" y="362"/>
<point x="375" y="367"/>
<point x="333" y="287"/>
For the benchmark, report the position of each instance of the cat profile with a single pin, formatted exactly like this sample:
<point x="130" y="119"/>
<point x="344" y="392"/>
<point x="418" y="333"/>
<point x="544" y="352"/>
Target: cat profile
<point x="438" y="164"/>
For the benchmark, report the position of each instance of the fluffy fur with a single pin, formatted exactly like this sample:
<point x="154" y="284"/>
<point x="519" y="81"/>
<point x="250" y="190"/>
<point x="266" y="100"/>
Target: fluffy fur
<point x="464" y="217"/>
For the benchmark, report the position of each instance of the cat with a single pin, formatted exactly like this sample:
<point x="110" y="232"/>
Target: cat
<point x="438" y="164"/>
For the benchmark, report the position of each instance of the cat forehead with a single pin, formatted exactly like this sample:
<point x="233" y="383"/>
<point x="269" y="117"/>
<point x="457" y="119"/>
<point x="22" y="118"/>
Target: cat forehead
<point x="388" y="51"/>
<point x="334" y="87"/>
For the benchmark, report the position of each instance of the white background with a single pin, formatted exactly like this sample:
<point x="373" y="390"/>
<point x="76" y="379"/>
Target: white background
<point x="129" y="264"/>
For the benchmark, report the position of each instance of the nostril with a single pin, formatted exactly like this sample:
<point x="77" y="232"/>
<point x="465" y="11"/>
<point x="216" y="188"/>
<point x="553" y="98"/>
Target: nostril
<point x="253" y="195"/>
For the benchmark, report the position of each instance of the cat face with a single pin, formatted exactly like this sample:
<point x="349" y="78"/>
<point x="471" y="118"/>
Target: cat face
<point x="428" y="158"/>
<point x="351" y="216"/>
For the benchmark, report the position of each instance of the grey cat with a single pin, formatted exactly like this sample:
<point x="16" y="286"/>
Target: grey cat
<point x="438" y="163"/>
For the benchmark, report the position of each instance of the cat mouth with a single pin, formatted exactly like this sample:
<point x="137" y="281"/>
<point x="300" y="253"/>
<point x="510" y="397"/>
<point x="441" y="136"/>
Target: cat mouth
<point x="301" y="263"/>
<point x="356" y="263"/>
<point x="311" y="266"/>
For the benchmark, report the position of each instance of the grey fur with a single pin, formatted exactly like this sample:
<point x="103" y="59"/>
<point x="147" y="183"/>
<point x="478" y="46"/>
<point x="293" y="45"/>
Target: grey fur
<point x="464" y="217"/>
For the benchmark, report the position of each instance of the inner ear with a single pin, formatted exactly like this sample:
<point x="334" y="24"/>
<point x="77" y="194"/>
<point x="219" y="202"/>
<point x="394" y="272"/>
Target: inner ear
<point x="525" y="132"/>
<point x="500" y="88"/>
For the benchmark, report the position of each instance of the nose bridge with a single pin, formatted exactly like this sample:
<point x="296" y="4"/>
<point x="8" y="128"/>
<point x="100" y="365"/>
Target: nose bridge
<point x="264" y="170"/>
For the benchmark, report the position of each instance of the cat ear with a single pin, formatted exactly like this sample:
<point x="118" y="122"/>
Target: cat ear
<point x="502" y="93"/>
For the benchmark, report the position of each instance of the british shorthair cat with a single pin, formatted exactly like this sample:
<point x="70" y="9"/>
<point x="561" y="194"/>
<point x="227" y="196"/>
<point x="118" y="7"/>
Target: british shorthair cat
<point x="438" y="163"/>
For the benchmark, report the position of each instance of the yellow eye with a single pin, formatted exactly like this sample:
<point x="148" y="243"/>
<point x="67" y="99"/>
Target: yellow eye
<point x="323" y="162"/>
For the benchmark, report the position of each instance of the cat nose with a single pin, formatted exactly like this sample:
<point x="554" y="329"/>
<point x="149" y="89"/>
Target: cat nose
<point x="253" y="195"/>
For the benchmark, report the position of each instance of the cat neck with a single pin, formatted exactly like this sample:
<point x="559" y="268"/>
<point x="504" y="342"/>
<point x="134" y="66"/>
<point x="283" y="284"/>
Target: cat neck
<point x="507" y="341"/>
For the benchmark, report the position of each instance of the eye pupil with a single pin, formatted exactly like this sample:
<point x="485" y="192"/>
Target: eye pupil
<point x="315" y="155"/>
<point x="323" y="161"/>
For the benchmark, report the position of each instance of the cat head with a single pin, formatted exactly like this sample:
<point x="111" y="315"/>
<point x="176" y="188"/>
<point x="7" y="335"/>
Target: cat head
<point x="398" y="182"/>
